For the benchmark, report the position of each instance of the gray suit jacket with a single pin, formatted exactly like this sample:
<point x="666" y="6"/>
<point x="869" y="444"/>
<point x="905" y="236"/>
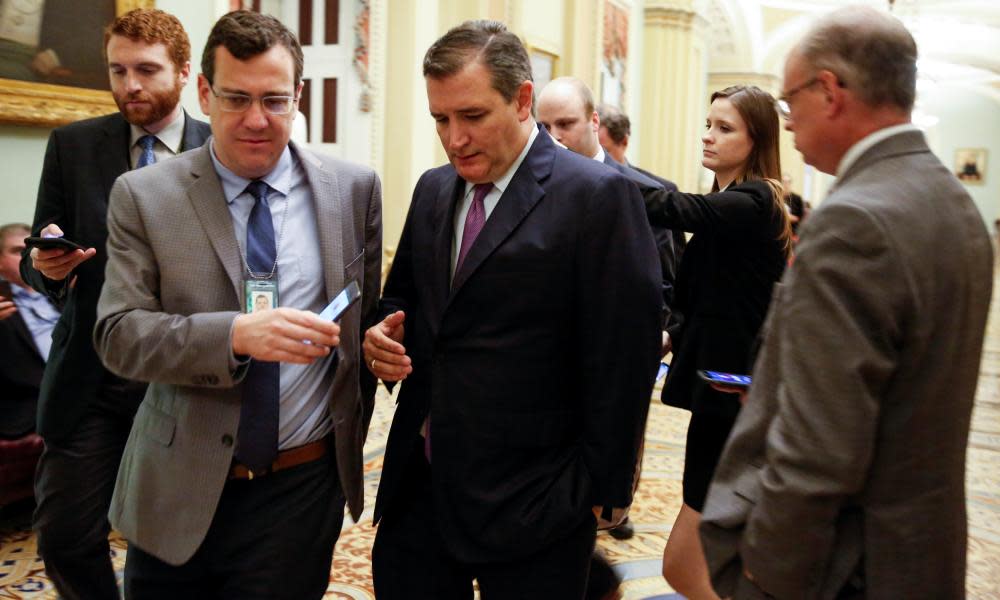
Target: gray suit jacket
<point x="846" y="466"/>
<point x="172" y="289"/>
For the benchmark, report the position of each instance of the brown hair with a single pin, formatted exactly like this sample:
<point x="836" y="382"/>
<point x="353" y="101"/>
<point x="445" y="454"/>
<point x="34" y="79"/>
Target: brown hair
<point x="11" y="228"/>
<point x="615" y="121"/>
<point x="246" y="34"/>
<point x="757" y="108"/>
<point x="152" y="26"/>
<point x="499" y="50"/>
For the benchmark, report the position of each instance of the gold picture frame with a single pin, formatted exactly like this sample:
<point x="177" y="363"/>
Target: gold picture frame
<point x="47" y="105"/>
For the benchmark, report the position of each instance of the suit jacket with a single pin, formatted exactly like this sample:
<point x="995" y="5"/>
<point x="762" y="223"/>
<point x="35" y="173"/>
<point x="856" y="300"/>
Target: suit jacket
<point x="20" y="374"/>
<point x="536" y="363"/>
<point x="165" y="315"/>
<point x="847" y="464"/>
<point x="82" y="161"/>
<point x="661" y="235"/>
<point x="680" y="240"/>
<point x="723" y="288"/>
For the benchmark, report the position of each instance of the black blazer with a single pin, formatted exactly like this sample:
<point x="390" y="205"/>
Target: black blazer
<point x="82" y="161"/>
<point x="724" y="285"/>
<point x="536" y="363"/>
<point x="661" y="235"/>
<point x="20" y="373"/>
<point x="680" y="240"/>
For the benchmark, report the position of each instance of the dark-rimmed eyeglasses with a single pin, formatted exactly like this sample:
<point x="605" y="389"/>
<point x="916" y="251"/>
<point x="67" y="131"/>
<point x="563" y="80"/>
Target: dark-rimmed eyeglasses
<point x="237" y="103"/>
<point x="784" y="109"/>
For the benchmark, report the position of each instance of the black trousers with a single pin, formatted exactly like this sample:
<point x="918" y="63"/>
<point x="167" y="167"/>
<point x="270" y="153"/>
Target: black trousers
<point x="73" y="487"/>
<point x="410" y="560"/>
<point x="271" y="538"/>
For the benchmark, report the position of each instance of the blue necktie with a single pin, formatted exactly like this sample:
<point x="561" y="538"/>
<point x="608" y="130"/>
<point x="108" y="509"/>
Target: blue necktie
<point x="257" y="444"/>
<point x="147" y="157"/>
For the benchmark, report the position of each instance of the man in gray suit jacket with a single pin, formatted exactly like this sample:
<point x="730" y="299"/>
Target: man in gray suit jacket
<point x="844" y="474"/>
<point x="249" y="438"/>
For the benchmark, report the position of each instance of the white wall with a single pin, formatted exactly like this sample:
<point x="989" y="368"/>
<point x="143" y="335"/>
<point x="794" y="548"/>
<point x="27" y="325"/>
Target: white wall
<point x="21" y="152"/>
<point x="968" y="120"/>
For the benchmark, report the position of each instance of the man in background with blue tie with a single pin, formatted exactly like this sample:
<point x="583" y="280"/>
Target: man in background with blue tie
<point x="85" y="413"/>
<point x="249" y="439"/>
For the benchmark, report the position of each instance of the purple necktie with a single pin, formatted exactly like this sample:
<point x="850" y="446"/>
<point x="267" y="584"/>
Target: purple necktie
<point x="474" y="221"/>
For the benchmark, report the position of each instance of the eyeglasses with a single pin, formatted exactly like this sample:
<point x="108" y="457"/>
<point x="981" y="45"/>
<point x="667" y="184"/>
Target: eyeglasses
<point x="237" y="103"/>
<point x="782" y="103"/>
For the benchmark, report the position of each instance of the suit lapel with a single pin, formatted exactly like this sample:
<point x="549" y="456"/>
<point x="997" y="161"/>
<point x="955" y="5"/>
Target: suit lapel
<point x="209" y="202"/>
<point x="192" y="138"/>
<point x="520" y="197"/>
<point x="443" y="219"/>
<point x="329" y="205"/>
<point x="22" y="331"/>
<point x="113" y="155"/>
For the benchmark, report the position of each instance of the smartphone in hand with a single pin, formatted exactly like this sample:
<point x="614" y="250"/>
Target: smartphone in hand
<point x="49" y="243"/>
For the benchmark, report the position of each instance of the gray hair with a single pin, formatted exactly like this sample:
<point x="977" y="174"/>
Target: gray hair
<point x="871" y="52"/>
<point x="487" y="41"/>
<point x="615" y="121"/>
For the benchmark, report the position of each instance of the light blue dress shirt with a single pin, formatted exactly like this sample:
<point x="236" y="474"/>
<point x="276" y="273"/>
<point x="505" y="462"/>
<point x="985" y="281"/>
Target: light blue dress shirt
<point x="38" y="314"/>
<point x="304" y="413"/>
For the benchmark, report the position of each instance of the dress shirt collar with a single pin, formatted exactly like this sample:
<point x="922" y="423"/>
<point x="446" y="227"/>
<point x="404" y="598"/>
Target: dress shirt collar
<point x="280" y="177"/>
<point x="502" y="183"/>
<point x="170" y="136"/>
<point x="599" y="157"/>
<point x="866" y="143"/>
<point x="22" y="293"/>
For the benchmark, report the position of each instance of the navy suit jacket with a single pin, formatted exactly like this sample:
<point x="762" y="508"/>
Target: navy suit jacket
<point x="663" y="236"/>
<point x="536" y="363"/>
<point x="20" y="373"/>
<point x="82" y="161"/>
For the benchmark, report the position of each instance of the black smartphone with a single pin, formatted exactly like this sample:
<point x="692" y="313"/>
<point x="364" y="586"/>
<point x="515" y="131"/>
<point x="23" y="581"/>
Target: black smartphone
<point x="49" y="243"/>
<point x="347" y="296"/>
<point x="5" y="290"/>
<point x="726" y="379"/>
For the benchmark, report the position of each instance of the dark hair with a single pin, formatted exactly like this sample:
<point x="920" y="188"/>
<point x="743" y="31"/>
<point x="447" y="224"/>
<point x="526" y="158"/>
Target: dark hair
<point x="152" y="26"/>
<point x="871" y="52"/>
<point x="487" y="41"/>
<point x="615" y="121"/>
<point x="246" y="34"/>
<point x="757" y="109"/>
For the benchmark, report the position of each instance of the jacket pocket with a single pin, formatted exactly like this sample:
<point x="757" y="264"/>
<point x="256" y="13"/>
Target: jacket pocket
<point x="156" y="424"/>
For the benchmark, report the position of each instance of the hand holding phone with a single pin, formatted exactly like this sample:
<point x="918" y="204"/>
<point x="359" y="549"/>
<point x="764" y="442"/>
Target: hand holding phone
<point x="347" y="297"/>
<point x="54" y="256"/>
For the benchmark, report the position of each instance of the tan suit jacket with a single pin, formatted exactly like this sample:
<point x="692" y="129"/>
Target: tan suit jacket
<point x="173" y="287"/>
<point x="846" y="466"/>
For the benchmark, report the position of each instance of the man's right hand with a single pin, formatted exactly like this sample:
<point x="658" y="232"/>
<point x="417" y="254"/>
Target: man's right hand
<point x="7" y="308"/>
<point x="279" y="335"/>
<point x="56" y="264"/>
<point x="385" y="354"/>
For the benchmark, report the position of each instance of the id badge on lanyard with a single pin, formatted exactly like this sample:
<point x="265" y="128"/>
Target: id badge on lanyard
<point x="260" y="294"/>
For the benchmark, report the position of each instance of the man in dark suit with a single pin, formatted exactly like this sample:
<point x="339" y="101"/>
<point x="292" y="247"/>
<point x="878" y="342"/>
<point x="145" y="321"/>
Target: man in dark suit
<point x="613" y="133"/>
<point x="844" y="475"/>
<point x="522" y="311"/>
<point x="25" y="346"/>
<point x="85" y="413"/>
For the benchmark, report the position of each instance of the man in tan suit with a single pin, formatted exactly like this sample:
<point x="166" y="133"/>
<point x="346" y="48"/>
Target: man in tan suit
<point x="249" y="438"/>
<point x="844" y="474"/>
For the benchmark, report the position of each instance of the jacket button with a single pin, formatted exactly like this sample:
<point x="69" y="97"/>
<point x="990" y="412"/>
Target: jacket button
<point x="227" y="440"/>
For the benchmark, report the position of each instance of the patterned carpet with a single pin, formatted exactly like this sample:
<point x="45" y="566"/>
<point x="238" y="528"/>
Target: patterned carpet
<point x="658" y="499"/>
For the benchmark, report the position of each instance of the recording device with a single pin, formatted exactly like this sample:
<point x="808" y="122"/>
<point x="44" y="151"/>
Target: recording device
<point x="348" y="296"/>
<point x="725" y="379"/>
<point x="50" y="243"/>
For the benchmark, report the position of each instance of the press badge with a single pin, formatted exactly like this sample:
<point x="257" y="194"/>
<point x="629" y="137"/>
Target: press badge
<point x="260" y="294"/>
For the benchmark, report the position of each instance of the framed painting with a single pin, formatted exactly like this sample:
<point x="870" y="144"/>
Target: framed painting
<point x="52" y="68"/>
<point x="970" y="165"/>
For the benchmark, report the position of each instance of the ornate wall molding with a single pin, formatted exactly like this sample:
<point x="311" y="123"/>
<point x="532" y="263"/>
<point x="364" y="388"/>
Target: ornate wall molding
<point x="677" y="18"/>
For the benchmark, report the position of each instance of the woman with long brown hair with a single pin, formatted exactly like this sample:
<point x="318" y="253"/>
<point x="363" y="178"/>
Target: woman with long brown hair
<point x="741" y="242"/>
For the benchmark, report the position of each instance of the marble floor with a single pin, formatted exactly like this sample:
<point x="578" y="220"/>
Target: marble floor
<point x="658" y="499"/>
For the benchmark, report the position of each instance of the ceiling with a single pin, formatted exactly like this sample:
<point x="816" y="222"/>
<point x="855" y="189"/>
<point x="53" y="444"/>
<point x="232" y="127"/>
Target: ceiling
<point x="958" y="40"/>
